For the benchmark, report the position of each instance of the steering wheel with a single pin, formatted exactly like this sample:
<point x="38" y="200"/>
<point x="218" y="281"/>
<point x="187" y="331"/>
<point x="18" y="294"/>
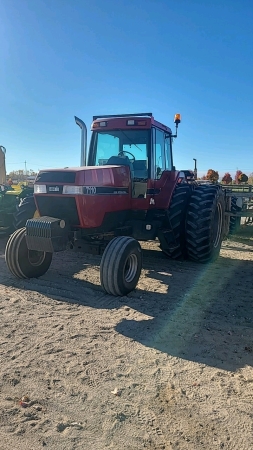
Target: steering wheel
<point x="124" y="151"/>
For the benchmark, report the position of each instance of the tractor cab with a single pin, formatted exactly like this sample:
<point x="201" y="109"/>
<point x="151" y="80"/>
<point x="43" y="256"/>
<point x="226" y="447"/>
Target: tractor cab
<point x="136" y="141"/>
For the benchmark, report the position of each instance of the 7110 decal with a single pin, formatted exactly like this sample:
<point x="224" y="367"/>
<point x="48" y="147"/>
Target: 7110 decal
<point x="90" y="190"/>
<point x="104" y="190"/>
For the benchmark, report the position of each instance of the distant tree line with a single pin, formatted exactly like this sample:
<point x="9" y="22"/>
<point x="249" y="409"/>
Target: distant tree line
<point x="240" y="177"/>
<point x="211" y="175"/>
<point x="20" y="175"/>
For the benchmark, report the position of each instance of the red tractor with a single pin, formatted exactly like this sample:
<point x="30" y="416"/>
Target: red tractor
<point x="128" y="191"/>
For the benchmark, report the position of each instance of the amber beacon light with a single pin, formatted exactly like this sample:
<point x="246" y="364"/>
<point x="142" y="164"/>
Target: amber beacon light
<point x="177" y="118"/>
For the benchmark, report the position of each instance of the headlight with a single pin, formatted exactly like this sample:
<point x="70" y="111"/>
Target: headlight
<point x="40" y="189"/>
<point x="72" y="190"/>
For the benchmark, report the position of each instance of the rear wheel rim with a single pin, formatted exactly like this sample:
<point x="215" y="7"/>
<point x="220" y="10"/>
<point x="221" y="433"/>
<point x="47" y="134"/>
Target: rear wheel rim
<point x="217" y="225"/>
<point x="36" y="258"/>
<point x="131" y="267"/>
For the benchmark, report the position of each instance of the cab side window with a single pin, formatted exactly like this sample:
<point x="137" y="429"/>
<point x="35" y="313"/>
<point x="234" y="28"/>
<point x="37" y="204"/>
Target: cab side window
<point x="168" y="153"/>
<point x="158" y="150"/>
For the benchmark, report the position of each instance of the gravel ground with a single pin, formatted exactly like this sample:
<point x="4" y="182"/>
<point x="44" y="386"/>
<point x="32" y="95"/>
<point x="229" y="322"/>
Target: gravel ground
<point x="167" y="367"/>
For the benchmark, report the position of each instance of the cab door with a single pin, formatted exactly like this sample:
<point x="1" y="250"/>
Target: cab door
<point x="158" y="153"/>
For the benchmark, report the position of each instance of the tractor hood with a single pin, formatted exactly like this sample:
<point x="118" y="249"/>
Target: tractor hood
<point x="96" y="176"/>
<point x="84" y="196"/>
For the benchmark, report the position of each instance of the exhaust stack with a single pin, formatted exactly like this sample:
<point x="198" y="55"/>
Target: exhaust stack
<point x="2" y="165"/>
<point x="83" y="127"/>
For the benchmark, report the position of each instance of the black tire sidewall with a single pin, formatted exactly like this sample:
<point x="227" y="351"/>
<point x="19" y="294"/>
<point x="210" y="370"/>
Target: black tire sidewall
<point x="113" y="263"/>
<point x="200" y="238"/>
<point x="132" y="248"/>
<point x="25" y="210"/>
<point x="17" y="257"/>
<point x="219" y="200"/>
<point x="178" y="223"/>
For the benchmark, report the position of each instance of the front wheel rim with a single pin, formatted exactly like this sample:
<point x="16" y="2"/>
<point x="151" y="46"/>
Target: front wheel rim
<point x="36" y="258"/>
<point x="131" y="267"/>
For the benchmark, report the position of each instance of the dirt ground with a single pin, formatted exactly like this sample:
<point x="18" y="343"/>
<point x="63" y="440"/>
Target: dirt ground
<point x="167" y="367"/>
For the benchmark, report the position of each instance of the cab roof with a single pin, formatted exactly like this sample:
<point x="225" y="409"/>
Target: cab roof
<point x="116" y="121"/>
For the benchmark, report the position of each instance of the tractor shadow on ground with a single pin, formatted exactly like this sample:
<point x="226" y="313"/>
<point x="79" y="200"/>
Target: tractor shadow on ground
<point x="201" y="313"/>
<point x="206" y="317"/>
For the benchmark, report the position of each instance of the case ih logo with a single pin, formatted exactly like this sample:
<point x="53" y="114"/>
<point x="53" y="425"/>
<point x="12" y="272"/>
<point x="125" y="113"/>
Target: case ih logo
<point x="54" y="189"/>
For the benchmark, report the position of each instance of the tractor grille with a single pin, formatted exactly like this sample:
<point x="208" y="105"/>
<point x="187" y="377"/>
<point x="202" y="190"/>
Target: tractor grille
<point x="60" y="207"/>
<point x="56" y="177"/>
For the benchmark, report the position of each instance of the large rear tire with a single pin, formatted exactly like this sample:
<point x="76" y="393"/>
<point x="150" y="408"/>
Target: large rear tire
<point x="24" y="263"/>
<point x="24" y="211"/>
<point x="205" y="223"/>
<point x="176" y="218"/>
<point x="121" y="266"/>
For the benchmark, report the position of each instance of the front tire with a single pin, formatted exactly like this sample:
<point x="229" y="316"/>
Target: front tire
<point x="22" y="262"/>
<point x="205" y="223"/>
<point x="121" y="266"/>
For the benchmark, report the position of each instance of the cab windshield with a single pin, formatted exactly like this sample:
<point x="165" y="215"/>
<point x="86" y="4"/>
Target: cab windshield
<point x="122" y="147"/>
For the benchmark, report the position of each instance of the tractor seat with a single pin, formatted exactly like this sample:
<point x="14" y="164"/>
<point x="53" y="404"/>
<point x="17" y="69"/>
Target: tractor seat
<point x="118" y="161"/>
<point x="140" y="169"/>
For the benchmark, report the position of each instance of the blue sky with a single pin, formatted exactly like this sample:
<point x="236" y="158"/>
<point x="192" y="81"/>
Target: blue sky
<point x="61" y="58"/>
